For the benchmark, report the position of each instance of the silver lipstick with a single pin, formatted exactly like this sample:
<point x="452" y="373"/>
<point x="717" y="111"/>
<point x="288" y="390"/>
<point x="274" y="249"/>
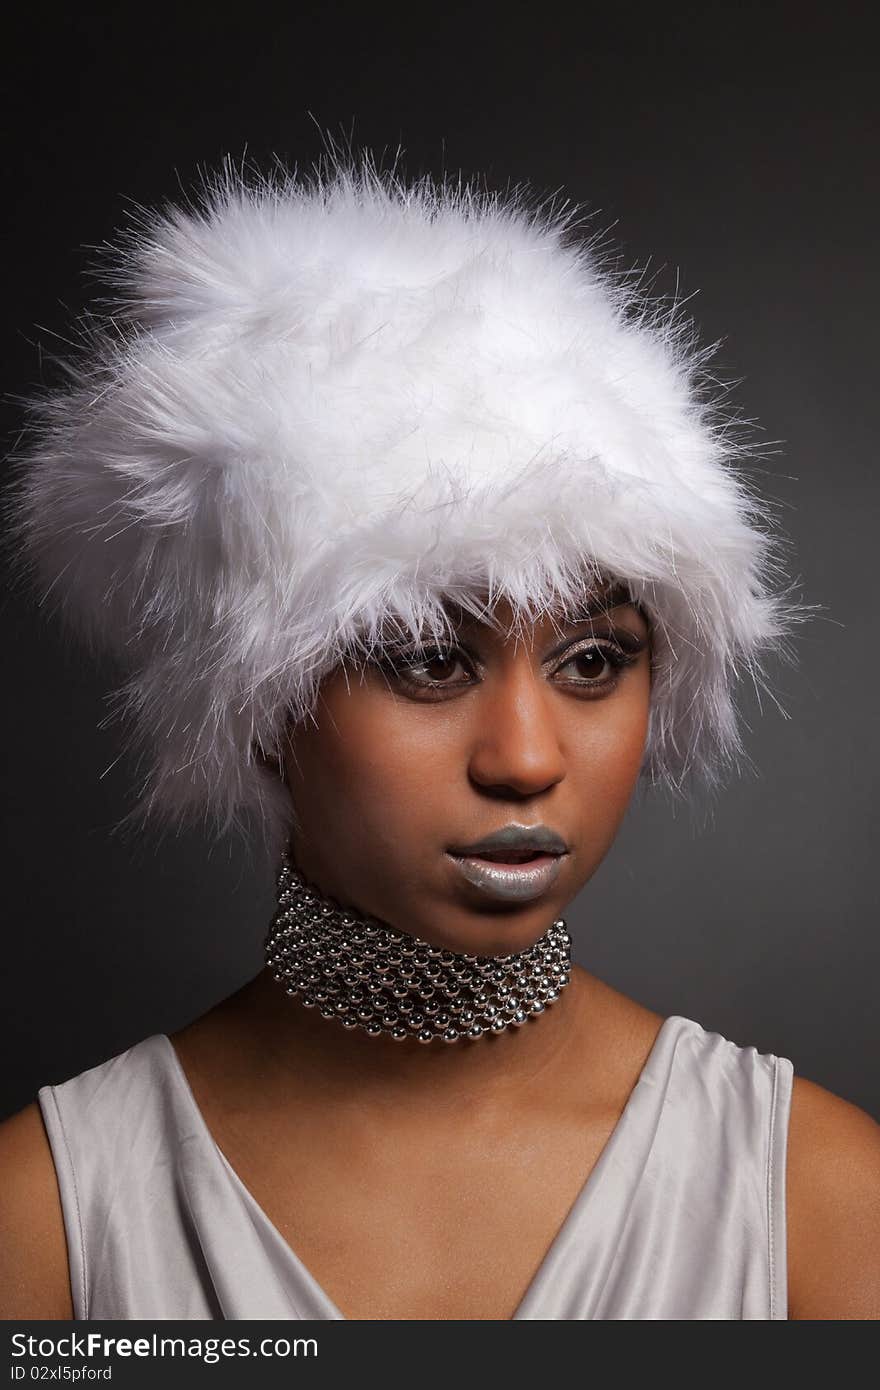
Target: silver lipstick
<point x="500" y="879"/>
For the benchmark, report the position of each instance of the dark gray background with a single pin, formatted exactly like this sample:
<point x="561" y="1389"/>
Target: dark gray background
<point x="733" y="151"/>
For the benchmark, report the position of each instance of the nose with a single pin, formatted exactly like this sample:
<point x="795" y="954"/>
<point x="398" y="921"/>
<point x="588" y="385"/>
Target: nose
<point x="515" y="745"/>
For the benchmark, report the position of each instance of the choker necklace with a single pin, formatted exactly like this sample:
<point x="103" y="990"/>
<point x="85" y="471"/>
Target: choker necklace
<point x="366" y="974"/>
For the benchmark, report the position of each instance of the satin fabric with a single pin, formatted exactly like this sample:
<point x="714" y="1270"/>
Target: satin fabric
<point x="682" y="1217"/>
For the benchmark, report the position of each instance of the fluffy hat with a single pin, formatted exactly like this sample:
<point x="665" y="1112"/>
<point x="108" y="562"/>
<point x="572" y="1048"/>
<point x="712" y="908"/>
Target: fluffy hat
<point x="319" y="407"/>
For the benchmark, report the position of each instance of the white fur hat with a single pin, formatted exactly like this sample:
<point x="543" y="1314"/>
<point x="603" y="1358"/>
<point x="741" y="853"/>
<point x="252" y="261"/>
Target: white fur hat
<point x="322" y="406"/>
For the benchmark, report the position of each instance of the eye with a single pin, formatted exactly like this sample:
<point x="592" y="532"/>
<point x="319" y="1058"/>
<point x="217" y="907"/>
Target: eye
<point x="428" y="669"/>
<point x="594" y="658"/>
<point x="595" y="668"/>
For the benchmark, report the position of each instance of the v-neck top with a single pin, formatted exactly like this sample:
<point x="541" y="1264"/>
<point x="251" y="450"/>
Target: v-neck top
<point x="681" y="1217"/>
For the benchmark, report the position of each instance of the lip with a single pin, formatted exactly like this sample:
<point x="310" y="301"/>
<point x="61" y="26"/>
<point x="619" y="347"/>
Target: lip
<point x="520" y="839"/>
<point x="509" y="882"/>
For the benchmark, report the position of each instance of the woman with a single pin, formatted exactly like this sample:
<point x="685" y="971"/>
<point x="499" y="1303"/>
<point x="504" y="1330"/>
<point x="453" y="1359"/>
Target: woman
<point x="423" y="540"/>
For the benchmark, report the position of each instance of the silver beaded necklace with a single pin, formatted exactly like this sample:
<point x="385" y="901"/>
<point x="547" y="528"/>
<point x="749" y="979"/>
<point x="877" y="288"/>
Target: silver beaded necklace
<point x="368" y="975"/>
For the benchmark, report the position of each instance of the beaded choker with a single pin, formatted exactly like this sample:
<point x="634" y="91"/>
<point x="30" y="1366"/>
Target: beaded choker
<point x="366" y="974"/>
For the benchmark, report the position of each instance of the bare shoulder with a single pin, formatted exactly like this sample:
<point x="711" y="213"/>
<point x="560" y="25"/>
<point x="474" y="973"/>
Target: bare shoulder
<point x="833" y="1207"/>
<point x="619" y="1032"/>
<point x="619" y="1015"/>
<point x="34" y="1275"/>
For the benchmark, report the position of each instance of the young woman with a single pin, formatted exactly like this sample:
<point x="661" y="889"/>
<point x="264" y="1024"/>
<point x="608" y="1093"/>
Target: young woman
<point x="423" y="540"/>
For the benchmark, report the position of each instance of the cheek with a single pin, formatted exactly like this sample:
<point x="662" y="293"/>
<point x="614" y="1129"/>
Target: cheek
<point x="610" y="765"/>
<point x="618" y="747"/>
<point x="362" y="779"/>
<point x="607" y="749"/>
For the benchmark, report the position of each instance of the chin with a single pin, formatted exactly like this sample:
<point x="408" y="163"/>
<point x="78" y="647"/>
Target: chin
<point x="489" y="936"/>
<point x="506" y="945"/>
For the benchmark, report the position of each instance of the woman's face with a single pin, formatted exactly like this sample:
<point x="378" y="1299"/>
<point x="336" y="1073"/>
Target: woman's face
<point x="406" y="764"/>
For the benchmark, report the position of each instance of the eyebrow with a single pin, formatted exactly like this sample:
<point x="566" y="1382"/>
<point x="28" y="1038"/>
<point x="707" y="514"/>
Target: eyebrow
<point x="594" y="605"/>
<point x="618" y="596"/>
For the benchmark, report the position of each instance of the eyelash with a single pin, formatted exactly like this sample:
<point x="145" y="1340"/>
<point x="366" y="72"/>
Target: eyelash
<point x="613" y="654"/>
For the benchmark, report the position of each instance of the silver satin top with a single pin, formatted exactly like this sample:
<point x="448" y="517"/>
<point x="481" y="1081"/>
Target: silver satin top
<point x="682" y="1217"/>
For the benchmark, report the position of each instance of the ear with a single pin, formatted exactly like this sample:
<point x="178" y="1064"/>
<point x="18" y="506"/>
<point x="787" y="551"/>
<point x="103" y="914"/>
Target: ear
<point x="273" y="762"/>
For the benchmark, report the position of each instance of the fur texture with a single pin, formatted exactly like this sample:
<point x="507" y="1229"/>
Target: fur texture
<point x="320" y="406"/>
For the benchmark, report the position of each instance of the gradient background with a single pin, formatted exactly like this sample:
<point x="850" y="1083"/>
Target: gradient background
<point x="734" y="152"/>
